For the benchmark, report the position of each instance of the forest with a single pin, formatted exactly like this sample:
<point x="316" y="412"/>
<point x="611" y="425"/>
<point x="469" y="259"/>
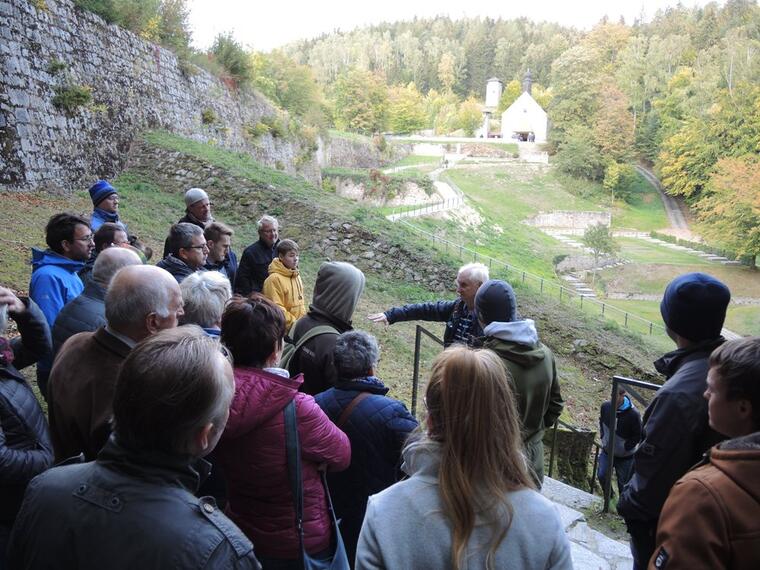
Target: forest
<point x="679" y="92"/>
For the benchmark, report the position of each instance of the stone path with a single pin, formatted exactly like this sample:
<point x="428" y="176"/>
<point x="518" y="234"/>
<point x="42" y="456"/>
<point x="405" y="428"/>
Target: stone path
<point x="672" y="208"/>
<point x="452" y="197"/>
<point x="591" y="549"/>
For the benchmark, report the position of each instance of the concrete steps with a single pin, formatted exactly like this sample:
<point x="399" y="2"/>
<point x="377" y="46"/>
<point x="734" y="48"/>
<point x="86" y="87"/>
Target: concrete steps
<point x="591" y="549"/>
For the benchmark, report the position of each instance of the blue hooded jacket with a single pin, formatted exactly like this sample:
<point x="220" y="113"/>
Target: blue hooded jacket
<point x="54" y="282"/>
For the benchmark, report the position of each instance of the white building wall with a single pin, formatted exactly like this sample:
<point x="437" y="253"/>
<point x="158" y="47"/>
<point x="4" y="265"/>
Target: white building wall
<point x="525" y="115"/>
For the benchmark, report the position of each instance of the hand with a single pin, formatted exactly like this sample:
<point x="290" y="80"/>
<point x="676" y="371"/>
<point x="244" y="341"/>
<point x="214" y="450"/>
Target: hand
<point x="15" y="305"/>
<point x="378" y="318"/>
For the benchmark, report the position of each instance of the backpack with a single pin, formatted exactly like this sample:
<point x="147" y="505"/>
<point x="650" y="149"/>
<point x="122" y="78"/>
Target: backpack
<point x="290" y="349"/>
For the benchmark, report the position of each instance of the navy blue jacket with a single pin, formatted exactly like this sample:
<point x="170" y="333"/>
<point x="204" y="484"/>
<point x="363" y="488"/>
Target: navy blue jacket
<point x="25" y="448"/>
<point x="254" y="268"/>
<point x="377" y="429"/>
<point x="84" y="314"/>
<point x="227" y="267"/>
<point x="461" y="324"/>
<point x="178" y="268"/>
<point x="675" y="435"/>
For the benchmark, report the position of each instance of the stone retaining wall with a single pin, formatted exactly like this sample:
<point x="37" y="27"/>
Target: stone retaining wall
<point x="135" y="85"/>
<point x="574" y="220"/>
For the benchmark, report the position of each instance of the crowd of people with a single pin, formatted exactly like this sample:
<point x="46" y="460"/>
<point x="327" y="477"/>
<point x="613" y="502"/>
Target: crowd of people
<point x="199" y="415"/>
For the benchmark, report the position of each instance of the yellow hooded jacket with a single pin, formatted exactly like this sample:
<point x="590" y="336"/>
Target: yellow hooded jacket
<point x="285" y="288"/>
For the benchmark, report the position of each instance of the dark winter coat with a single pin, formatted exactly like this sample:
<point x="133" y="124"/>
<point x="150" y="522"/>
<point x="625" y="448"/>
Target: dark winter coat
<point x="377" y="428"/>
<point x="336" y="294"/>
<point x="178" y="268"/>
<point x="82" y="385"/>
<point x="227" y="267"/>
<point x="254" y="267"/>
<point x="25" y="448"/>
<point x="84" y="314"/>
<point x="252" y="454"/>
<point x="128" y="509"/>
<point x="188" y="218"/>
<point x="627" y="430"/>
<point x="675" y="434"/>
<point x="462" y="325"/>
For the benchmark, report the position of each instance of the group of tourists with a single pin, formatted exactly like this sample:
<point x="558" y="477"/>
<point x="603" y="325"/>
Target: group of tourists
<point x="200" y="416"/>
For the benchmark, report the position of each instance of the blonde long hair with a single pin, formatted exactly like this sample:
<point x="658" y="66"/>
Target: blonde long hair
<point x="473" y="416"/>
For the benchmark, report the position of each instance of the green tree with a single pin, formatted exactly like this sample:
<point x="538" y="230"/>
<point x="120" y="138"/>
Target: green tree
<point x="406" y="110"/>
<point x="511" y="92"/>
<point x="599" y="240"/>
<point x="618" y="181"/>
<point x="233" y="59"/>
<point x="578" y="156"/>
<point x="360" y="100"/>
<point x="447" y="72"/>
<point x="613" y="125"/>
<point x="469" y="117"/>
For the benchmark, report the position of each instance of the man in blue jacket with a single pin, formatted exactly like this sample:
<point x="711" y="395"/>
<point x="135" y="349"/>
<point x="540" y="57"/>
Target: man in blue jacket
<point x="54" y="273"/>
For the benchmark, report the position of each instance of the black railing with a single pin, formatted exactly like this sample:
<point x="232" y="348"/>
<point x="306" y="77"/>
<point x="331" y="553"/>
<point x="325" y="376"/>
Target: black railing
<point x="630" y="388"/>
<point x="419" y="331"/>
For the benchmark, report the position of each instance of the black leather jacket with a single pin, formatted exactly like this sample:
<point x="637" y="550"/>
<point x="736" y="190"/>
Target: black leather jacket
<point x="461" y="324"/>
<point x="128" y="509"/>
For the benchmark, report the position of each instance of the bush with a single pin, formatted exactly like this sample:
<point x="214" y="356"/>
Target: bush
<point x="55" y="66"/>
<point x="208" y="117"/>
<point x="71" y="97"/>
<point x="577" y="156"/>
<point x="619" y="179"/>
<point x="232" y="57"/>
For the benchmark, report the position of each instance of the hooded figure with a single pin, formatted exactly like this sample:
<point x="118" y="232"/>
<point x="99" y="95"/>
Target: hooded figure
<point x="530" y="365"/>
<point x="336" y="294"/>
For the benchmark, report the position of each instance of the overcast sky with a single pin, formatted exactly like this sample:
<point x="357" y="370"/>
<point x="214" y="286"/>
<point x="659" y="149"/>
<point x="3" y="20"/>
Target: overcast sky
<point x="264" y="25"/>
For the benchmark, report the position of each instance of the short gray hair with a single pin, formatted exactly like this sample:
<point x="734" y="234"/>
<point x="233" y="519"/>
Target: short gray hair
<point x="354" y="354"/>
<point x="181" y="236"/>
<point x="205" y="294"/>
<point x="133" y="294"/>
<point x="476" y="271"/>
<point x="109" y="261"/>
<point x="267" y="220"/>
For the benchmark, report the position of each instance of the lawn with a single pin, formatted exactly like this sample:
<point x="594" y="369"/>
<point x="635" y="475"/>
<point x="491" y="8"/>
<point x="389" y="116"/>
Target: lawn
<point x="643" y="211"/>
<point x="641" y="251"/>
<point x="416" y="160"/>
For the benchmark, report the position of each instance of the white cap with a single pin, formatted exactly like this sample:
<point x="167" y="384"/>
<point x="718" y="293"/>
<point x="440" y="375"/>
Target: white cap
<point x="195" y="195"/>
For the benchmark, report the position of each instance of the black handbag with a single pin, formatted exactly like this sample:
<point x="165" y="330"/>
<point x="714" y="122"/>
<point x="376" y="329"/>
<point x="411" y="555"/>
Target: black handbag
<point x="339" y="559"/>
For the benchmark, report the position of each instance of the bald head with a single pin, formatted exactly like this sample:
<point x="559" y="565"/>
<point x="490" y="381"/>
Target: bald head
<point x="109" y="261"/>
<point x="142" y="300"/>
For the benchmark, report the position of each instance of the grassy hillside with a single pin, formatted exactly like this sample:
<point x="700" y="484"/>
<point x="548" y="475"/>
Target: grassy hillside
<point x="588" y="350"/>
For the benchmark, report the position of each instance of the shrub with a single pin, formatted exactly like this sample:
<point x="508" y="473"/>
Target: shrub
<point x="71" y="97"/>
<point x="56" y="66"/>
<point x="254" y="131"/>
<point x="233" y="59"/>
<point x="208" y="117"/>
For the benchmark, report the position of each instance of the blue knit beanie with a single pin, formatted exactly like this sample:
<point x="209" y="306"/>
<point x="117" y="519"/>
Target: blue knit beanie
<point x="694" y="306"/>
<point x="100" y="191"/>
<point x="495" y="302"/>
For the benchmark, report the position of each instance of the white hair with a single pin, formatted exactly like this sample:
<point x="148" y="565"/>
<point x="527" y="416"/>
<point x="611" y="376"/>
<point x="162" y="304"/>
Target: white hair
<point x="267" y="220"/>
<point x="475" y="271"/>
<point x="135" y="292"/>
<point x="205" y="295"/>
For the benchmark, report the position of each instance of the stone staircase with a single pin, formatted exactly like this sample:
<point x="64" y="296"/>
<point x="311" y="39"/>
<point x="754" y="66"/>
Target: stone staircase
<point x="591" y="549"/>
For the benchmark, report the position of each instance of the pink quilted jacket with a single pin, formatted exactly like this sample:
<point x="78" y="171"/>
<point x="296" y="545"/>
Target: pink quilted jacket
<point x="252" y="454"/>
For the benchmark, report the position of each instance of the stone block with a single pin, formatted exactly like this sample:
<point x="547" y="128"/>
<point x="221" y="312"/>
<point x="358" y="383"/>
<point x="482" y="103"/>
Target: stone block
<point x="569" y="496"/>
<point x="585" y="559"/>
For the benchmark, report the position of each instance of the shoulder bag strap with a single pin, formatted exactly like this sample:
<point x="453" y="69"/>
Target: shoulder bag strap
<point x="350" y="408"/>
<point x="311" y="333"/>
<point x="293" y="450"/>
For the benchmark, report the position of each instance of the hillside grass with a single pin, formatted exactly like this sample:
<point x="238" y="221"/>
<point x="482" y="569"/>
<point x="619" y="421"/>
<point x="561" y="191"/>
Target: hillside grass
<point x="416" y="160"/>
<point x="645" y="252"/>
<point x="644" y="210"/>
<point x="149" y="209"/>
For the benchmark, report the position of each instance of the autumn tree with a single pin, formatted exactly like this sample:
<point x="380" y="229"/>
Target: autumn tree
<point x="361" y="102"/>
<point x="613" y="125"/>
<point x="469" y="117"/>
<point x="730" y="211"/>
<point x="512" y="91"/>
<point x="406" y="110"/>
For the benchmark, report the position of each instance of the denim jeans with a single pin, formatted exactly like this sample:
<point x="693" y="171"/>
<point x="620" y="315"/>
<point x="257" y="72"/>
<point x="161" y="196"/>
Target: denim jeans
<point x="623" y="470"/>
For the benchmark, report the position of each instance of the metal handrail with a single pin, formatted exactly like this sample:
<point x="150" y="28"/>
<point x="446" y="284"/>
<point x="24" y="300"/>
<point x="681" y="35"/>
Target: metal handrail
<point x="419" y="331"/>
<point x="617" y="381"/>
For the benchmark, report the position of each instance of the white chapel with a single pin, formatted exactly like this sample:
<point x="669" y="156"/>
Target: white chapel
<point x="525" y="119"/>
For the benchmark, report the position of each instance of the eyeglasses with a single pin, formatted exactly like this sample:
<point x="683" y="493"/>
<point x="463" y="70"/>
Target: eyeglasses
<point x="204" y="246"/>
<point x="86" y="238"/>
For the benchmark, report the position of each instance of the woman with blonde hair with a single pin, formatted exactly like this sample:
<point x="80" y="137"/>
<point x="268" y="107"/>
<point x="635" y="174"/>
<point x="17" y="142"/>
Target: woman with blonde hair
<point x="469" y="501"/>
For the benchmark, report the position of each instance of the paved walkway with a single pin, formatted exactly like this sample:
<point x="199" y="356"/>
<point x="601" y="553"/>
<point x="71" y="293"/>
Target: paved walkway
<point x="672" y="208"/>
<point x="451" y="197"/>
<point x="591" y="549"/>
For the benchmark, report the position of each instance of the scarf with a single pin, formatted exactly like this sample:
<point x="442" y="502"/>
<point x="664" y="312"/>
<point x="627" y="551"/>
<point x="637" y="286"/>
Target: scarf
<point x="108" y="216"/>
